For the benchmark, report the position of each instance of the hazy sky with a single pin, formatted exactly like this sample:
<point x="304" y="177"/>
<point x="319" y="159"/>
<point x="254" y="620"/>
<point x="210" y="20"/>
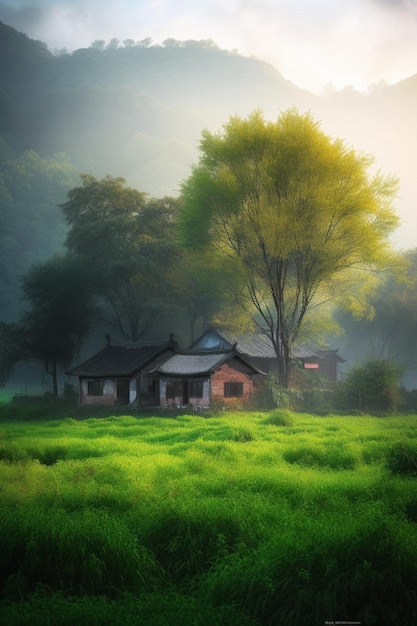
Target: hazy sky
<point x="311" y="42"/>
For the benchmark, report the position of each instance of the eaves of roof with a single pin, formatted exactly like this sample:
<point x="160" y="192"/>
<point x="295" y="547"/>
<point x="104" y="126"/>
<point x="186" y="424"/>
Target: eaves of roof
<point x="121" y="360"/>
<point x="188" y="363"/>
<point x="191" y="364"/>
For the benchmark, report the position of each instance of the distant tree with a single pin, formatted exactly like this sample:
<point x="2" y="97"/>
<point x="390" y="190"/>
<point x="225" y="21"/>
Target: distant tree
<point x="10" y="350"/>
<point x="207" y="44"/>
<point x="129" y="242"/>
<point x="31" y="226"/>
<point x="98" y="44"/>
<point x="202" y="288"/>
<point x="60" y="52"/>
<point x="171" y="43"/>
<point x="296" y="211"/>
<point x="113" y="44"/>
<point x="145" y="43"/>
<point x="60" y="315"/>
<point x="390" y="331"/>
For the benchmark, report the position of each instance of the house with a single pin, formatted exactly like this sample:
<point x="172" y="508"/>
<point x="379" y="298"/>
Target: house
<point x="123" y="373"/>
<point x="201" y="379"/>
<point x="258" y="350"/>
<point x="215" y="369"/>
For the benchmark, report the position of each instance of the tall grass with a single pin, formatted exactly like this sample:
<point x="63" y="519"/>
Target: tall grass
<point x="242" y="518"/>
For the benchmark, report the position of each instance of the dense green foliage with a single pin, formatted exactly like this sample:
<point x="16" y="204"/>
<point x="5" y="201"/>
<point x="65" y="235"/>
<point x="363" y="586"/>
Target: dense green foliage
<point x="59" y="315"/>
<point x="298" y="212"/>
<point x="254" y="519"/>
<point x="127" y="242"/>
<point x="373" y="386"/>
<point x="136" y="109"/>
<point x="389" y="333"/>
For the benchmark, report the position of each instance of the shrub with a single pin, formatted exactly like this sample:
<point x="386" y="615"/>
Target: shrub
<point x="276" y="396"/>
<point x="402" y="459"/>
<point x="373" y="386"/>
<point x="280" y="418"/>
<point x="243" y="435"/>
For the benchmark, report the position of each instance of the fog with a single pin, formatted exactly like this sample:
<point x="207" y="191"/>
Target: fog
<point x="312" y="43"/>
<point x="341" y="59"/>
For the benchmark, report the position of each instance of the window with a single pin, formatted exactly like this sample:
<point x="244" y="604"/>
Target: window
<point x="233" y="390"/>
<point x="196" y="389"/>
<point x="175" y="390"/>
<point x="95" y="387"/>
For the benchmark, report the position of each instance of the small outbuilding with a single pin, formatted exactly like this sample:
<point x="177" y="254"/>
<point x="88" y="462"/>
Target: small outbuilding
<point x="122" y="374"/>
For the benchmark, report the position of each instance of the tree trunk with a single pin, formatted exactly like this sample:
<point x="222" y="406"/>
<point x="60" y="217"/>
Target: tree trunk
<point x="283" y="370"/>
<point x="53" y="372"/>
<point x="283" y="362"/>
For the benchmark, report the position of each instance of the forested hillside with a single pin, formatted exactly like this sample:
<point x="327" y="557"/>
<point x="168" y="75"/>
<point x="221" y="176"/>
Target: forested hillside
<point x="137" y="110"/>
<point x="134" y="111"/>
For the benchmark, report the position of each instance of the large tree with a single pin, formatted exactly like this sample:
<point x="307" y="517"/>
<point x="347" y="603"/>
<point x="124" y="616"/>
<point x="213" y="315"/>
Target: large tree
<point x="201" y="288"/>
<point x="294" y="209"/>
<point x="128" y="240"/>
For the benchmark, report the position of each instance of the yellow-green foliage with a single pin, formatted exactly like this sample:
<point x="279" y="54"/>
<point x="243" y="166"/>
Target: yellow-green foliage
<point x="261" y="518"/>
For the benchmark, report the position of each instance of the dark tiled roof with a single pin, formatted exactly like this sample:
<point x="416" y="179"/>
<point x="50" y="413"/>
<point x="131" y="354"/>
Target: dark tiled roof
<point x="122" y="360"/>
<point x="256" y="345"/>
<point x="200" y="363"/>
<point x="249" y="344"/>
<point x="193" y="364"/>
<point x="325" y="354"/>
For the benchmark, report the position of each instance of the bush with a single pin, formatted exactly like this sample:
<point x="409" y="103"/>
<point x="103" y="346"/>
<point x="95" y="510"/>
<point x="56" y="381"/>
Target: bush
<point x="408" y="400"/>
<point x="280" y="418"/>
<point x="313" y="394"/>
<point x="273" y="395"/>
<point x="402" y="459"/>
<point x="373" y="387"/>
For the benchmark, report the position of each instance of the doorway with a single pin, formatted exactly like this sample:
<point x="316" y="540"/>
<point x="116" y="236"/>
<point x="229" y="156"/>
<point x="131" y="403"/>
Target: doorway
<point x="122" y="390"/>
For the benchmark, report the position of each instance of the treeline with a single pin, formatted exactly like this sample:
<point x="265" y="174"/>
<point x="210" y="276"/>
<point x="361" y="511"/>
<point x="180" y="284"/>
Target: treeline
<point x="134" y="109"/>
<point x="123" y="270"/>
<point x="137" y="109"/>
<point x="94" y="102"/>
<point x="120" y="271"/>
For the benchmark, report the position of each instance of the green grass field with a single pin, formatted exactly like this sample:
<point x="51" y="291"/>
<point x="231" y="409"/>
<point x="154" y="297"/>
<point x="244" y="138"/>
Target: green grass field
<point x="235" y="519"/>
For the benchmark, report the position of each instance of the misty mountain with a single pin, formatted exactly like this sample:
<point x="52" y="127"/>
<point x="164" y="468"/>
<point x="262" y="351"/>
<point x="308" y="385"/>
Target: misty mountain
<point x="137" y="111"/>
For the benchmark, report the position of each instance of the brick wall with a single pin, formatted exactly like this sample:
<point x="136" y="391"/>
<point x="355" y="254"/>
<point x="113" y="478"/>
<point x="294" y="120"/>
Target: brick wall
<point x="233" y="371"/>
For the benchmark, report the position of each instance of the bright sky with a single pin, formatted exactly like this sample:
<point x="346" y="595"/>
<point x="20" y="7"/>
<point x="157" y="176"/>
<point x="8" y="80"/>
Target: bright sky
<point x="313" y="43"/>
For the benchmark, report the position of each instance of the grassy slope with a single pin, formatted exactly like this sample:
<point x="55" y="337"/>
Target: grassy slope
<point x="266" y="518"/>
